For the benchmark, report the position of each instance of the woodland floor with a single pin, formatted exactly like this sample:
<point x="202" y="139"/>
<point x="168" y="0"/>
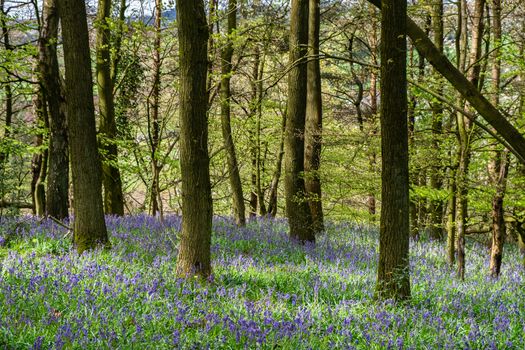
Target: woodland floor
<point x="266" y="292"/>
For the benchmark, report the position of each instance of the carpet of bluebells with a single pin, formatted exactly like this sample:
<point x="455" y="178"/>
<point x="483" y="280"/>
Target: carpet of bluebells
<point x="266" y="292"/>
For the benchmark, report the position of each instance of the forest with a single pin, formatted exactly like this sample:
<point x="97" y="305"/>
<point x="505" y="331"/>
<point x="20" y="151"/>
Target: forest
<point x="262" y="174"/>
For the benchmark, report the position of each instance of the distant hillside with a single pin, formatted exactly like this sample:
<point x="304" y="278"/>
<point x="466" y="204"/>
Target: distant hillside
<point x="168" y="15"/>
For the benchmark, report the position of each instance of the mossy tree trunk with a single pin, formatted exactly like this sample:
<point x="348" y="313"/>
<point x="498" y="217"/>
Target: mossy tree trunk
<point x="297" y="208"/>
<point x="57" y="185"/>
<point x="195" y="240"/>
<point x="89" y="227"/>
<point x="111" y="180"/>
<point x="393" y="279"/>
<point x="314" y="120"/>
<point x="464" y="133"/>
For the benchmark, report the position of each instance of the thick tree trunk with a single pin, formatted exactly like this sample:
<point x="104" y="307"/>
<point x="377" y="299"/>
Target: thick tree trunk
<point x="393" y="278"/>
<point x="90" y="227"/>
<point x="57" y="191"/>
<point x="195" y="241"/>
<point x="297" y="209"/>
<point x="226" y="71"/>
<point x="314" y="120"/>
<point x="491" y="114"/>
<point x="113" y="197"/>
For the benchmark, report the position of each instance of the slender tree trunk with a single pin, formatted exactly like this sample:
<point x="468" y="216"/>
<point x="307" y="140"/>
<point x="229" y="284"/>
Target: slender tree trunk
<point x="154" y="122"/>
<point x="436" y="178"/>
<point x="194" y="254"/>
<point x="464" y="131"/>
<point x="8" y="92"/>
<point x="226" y="71"/>
<point x="111" y="180"/>
<point x="500" y="163"/>
<point x="314" y="120"/>
<point x="393" y="279"/>
<point x="90" y="227"/>
<point x="297" y="209"/>
<point x="451" y="216"/>
<point x="39" y="161"/>
<point x="274" y="186"/>
<point x="254" y="151"/>
<point x="417" y="205"/>
<point x="57" y="191"/>
<point x="259" y="165"/>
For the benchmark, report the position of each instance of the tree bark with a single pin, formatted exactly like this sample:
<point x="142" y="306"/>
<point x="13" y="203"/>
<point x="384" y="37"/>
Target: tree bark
<point x="259" y="162"/>
<point x="464" y="132"/>
<point x="274" y="186"/>
<point x="500" y="162"/>
<point x="436" y="178"/>
<point x="57" y="190"/>
<point x="195" y="241"/>
<point x="8" y="92"/>
<point x="111" y="180"/>
<point x="231" y="155"/>
<point x="297" y="209"/>
<point x="90" y="227"/>
<point x="39" y="160"/>
<point x="154" y="121"/>
<point x="393" y="279"/>
<point x="314" y="120"/>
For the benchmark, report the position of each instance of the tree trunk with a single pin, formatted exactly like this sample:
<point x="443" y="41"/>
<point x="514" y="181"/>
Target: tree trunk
<point x="436" y="178"/>
<point x="113" y="197"/>
<point x="464" y="131"/>
<point x="259" y="164"/>
<point x="451" y="217"/>
<point x="154" y="122"/>
<point x="297" y="209"/>
<point x="195" y="240"/>
<point x="314" y="120"/>
<point x="393" y="279"/>
<point x="39" y="161"/>
<point x="417" y="205"/>
<point x="57" y="191"/>
<point x="90" y="227"/>
<point x="500" y="162"/>
<point x="8" y="92"/>
<point x="274" y="186"/>
<point x="226" y="71"/>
